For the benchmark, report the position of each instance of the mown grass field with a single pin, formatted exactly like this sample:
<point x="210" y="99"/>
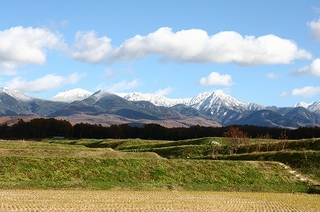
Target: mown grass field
<point x="148" y="175"/>
<point x="126" y="200"/>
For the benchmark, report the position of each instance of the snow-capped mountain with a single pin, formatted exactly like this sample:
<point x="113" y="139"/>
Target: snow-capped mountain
<point x="301" y="104"/>
<point x="215" y="105"/>
<point x="16" y="94"/>
<point x="217" y="100"/>
<point x="213" y="101"/>
<point x="313" y="106"/>
<point x="208" y="108"/>
<point x="76" y="94"/>
<point x="157" y="100"/>
<point x="101" y="93"/>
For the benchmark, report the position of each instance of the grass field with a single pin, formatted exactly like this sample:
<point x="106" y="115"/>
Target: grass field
<point x="148" y="175"/>
<point x="126" y="200"/>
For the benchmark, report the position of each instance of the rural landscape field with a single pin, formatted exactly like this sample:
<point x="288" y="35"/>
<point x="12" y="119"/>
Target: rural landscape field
<point x="159" y="106"/>
<point x="154" y="175"/>
<point x="85" y="200"/>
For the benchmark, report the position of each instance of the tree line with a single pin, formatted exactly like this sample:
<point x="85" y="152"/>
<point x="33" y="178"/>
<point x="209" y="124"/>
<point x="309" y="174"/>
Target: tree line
<point x="47" y="128"/>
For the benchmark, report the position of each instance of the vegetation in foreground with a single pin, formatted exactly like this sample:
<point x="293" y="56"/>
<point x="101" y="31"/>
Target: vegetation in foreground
<point x="302" y="155"/>
<point x="133" y="164"/>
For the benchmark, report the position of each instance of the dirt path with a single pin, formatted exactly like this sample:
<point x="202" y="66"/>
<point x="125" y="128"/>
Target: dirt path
<point x="83" y="200"/>
<point x="299" y="176"/>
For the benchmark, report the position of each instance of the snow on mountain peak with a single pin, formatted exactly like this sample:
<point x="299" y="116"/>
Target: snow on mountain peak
<point x="196" y="100"/>
<point x="16" y="94"/>
<point x="203" y="100"/>
<point x="313" y="106"/>
<point x="218" y="100"/>
<point x="301" y="104"/>
<point x="157" y="100"/>
<point x="76" y="94"/>
<point x="208" y="99"/>
<point x="101" y="93"/>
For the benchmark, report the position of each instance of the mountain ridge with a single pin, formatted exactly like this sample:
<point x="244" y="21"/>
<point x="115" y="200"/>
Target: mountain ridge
<point x="208" y="108"/>
<point x="71" y="95"/>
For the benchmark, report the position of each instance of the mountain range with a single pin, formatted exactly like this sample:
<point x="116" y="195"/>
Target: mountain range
<point x="105" y="108"/>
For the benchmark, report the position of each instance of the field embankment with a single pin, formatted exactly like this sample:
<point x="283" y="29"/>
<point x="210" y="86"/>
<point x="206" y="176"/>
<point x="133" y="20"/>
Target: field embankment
<point x="27" y="164"/>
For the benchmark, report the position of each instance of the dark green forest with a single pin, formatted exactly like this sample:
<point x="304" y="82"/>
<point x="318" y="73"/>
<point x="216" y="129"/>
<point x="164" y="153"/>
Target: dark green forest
<point x="47" y="128"/>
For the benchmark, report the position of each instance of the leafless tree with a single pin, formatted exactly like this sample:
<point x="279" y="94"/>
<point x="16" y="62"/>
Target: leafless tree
<point x="235" y="138"/>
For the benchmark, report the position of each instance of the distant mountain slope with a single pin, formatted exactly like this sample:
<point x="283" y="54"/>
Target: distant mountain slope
<point x="207" y="108"/>
<point x="216" y="105"/>
<point x="300" y="115"/>
<point x="16" y="94"/>
<point x="119" y="110"/>
<point x="313" y="106"/>
<point x="266" y="118"/>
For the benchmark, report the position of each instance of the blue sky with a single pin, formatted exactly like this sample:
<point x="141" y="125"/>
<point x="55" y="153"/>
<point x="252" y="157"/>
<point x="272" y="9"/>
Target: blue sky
<point x="266" y="52"/>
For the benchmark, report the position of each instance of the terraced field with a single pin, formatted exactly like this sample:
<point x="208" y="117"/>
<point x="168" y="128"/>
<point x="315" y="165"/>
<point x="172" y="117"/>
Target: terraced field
<point x="115" y="200"/>
<point x="146" y="175"/>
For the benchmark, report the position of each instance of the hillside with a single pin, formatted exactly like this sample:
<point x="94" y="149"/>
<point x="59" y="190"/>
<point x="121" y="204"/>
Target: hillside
<point x="69" y="164"/>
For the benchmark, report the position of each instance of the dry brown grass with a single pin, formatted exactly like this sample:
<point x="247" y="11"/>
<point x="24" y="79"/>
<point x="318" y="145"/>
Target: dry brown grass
<point x="125" y="200"/>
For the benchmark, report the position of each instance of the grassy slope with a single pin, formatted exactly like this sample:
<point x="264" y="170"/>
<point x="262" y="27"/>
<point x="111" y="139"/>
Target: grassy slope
<point x="307" y="162"/>
<point x="63" y="172"/>
<point x="302" y="155"/>
<point x="48" y="165"/>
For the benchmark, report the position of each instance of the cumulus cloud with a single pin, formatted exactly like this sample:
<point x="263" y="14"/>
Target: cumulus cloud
<point x="163" y="92"/>
<point x="124" y="85"/>
<point x="89" y="48"/>
<point x="313" y="69"/>
<point x="20" y="46"/>
<point x="216" y="79"/>
<point x="193" y="45"/>
<point x="308" y="91"/>
<point x="47" y="82"/>
<point x="315" y="29"/>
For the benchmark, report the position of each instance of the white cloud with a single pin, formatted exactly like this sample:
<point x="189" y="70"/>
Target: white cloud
<point x="89" y="48"/>
<point x="163" y="92"/>
<point x="20" y="46"/>
<point x="273" y="76"/>
<point x="315" y="29"/>
<point x="47" y="82"/>
<point x="124" y="85"/>
<point x="313" y="69"/>
<point x="216" y="79"/>
<point x="193" y="45"/>
<point x="308" y="91"/>
<point x="284" y="94"/>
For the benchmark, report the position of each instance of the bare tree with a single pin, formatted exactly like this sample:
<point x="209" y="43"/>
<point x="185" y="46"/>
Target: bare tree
<point x="263" y="139"/>
<point x="283" y="140"/>
<point x="235" y="138"/>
